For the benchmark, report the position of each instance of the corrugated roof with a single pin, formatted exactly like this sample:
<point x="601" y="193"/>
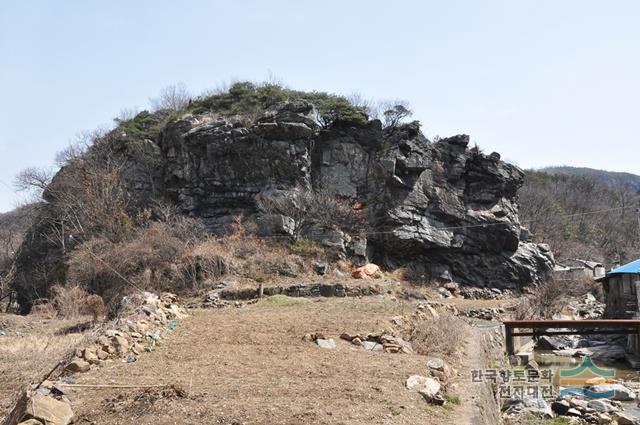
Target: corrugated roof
<point x="632" y="267"/>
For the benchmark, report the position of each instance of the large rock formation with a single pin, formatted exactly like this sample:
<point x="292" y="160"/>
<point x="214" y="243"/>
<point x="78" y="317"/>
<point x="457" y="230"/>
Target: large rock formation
<point x="448" y="211"/>
<point x="444" y="211"/>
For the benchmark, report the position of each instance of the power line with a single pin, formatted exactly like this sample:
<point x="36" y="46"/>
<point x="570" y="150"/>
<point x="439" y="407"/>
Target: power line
<point x="479" y="225"/>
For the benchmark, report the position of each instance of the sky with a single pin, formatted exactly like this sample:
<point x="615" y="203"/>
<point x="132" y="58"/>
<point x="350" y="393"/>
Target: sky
<point x="543" y="82"/>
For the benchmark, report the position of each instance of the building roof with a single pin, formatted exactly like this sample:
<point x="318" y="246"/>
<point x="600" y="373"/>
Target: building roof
<point x="586" y="263"/>
<point x="632" y="267"/>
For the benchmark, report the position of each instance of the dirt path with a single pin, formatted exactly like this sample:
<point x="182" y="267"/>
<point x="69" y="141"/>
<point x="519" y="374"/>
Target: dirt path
<point x="250" y="366"/>
<point x="476" y="407"/>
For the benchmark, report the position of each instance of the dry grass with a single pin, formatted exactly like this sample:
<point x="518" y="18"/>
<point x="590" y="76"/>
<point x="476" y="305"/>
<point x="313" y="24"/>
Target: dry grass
<point x="441" y="336"/>
<point x="23" y="358"/>
<point x="550" y="298"/>
<point x="171" y="258"/>
<point x="72" y="301"/>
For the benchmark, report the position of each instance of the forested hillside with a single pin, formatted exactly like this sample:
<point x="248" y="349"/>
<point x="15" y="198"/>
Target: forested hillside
<point x="13" y="225"/>
<point x="583" y="216"/>
<point x="614" y="179"/>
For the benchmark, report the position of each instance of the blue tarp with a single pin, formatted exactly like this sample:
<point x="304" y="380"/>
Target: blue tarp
<point x="632" y="267"/>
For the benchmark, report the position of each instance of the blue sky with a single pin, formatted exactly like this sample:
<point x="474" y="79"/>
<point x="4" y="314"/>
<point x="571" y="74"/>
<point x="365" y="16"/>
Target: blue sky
<point x="542" y="82"/>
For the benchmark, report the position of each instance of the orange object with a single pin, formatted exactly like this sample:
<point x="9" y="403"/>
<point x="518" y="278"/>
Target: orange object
<point x="365" y="272"/>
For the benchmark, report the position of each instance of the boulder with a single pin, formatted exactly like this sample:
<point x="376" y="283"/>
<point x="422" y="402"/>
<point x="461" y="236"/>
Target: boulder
<point x="625" y="419"/>
<point x="78" y="366"/>
<point x="120" y="344"/>
<point x="275" y="224"/>
<point x="49" y="410"/>
<point x="561" y="407"/>
<point x="534" y="406"/>
<point x="366" y="272"/>
<point x="614" y="391"/>
<point x="89" y="355"/>
<point x="427" y="387"/>
<point x="603" y="406"/>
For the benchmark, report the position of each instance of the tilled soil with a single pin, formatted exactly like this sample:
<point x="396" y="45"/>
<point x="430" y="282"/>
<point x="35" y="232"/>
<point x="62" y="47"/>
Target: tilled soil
<point x="251" y="366"/>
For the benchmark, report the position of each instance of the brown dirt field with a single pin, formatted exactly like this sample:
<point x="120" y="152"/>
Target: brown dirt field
<point x="250" y="366"/>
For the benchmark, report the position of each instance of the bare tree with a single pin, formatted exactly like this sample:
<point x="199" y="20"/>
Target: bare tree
<point x="33" y="179"/>
<point x="579" y="217"/>
<point x="79" y="146"/>
<point x="310" y="207"/>
<point x="368" y="106"/>
<point x="174" y="98"/>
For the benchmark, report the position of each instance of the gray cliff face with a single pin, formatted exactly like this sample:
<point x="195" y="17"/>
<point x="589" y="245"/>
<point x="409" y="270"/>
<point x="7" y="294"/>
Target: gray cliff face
<point x="446" y="210"/>
<point x="440" y="209"/>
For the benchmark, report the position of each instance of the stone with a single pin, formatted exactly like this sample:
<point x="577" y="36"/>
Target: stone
<point x="347" y="337"/>
<point x="604" y="419"/>
<point x="578" y="403"/>
<point x="534" y="406"/>
<point x="601" y="406"/>
<point x="356" y="341"/>
<point x="452" y="286"/>
<point x="320" y="267"/>
<point x="89" y="354"/>
<point x="120" y="344"/>
<point x="573" y="412"/>
<point x="49" y="410"/>
<point x="618" y="391"/>
<point x="427" y="387"/>
<point x="326" y="343"/>
<point x="31" y="422"/>
<point x="130" y="358"/>
<point x="78" y="366"/>
<point x="444" y="293"/>
<point x="101" y="354"/>
<point x="625" y="419"/>
<point x="561" y="407"/>
<point x="436" y="364"/>
<point x="275" y="224"/>
<point x="372" y="346"/>
<point x="589" y="299"/>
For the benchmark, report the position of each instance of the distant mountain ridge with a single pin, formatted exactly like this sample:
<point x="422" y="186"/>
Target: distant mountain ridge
<point x="609" y="178"/>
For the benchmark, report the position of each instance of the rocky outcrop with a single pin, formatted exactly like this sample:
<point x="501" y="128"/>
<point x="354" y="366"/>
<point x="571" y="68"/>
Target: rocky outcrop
<point x="445" y="211"/>
<point x="449" y="211"/>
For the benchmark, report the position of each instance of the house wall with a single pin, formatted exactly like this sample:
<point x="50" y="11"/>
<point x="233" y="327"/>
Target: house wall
<point x="622" y="297"/>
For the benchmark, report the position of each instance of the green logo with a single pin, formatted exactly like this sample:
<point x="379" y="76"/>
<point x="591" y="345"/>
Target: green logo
<point x="579" y="380"/>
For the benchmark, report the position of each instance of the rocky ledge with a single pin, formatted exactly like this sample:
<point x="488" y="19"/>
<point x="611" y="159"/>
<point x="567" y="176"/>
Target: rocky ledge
<point x="447" y="211"/>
